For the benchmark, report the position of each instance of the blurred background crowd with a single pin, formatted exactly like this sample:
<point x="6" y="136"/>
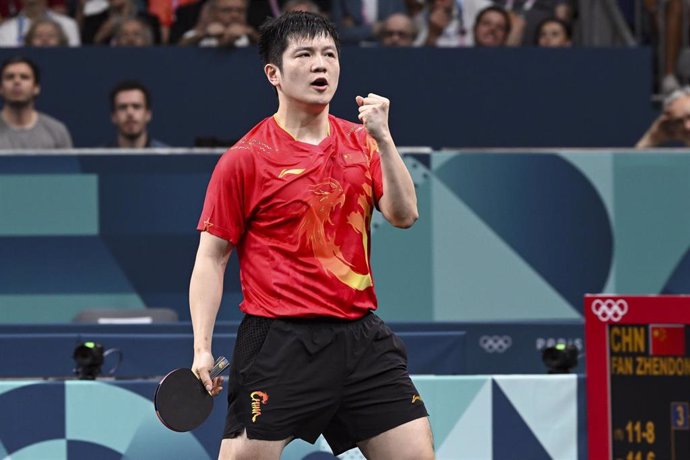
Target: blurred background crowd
<point x="662" y="24"/>
<point x="658" y="25"/>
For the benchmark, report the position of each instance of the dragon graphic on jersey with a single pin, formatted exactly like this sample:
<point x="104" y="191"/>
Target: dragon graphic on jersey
<point x="328" y="196"/>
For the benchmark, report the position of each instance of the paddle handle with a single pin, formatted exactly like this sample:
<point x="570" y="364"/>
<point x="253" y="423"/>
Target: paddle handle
<point x="219" y="366"/>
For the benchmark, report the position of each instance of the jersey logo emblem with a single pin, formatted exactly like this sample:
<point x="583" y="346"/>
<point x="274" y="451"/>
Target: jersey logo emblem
<point x="287" y="172"/>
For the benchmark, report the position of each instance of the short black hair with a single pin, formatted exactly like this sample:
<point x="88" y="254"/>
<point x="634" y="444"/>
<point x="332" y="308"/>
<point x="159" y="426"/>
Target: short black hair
<point x="22" y="60"/>
<point x="566" y="28"/>
<point x="129" y="85"/>
<point x="276" y="33"/>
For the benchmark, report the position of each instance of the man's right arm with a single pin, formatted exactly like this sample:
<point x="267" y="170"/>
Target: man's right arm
<point x="205" y="293"/>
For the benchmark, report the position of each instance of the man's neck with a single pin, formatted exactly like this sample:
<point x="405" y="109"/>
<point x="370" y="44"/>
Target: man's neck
<point x="138" y="142"/>
<point x="22" y="117"/>
<point x="308" y="127"/>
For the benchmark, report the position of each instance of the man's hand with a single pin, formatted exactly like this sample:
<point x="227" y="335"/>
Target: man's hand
<point x="663" y="129"/>
<point x="373" y="113"/>
<point x="202" y="365"/>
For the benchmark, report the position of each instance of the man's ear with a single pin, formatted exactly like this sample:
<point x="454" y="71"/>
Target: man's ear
<point x="272" y="74"/>
<point x="37" y="90"/>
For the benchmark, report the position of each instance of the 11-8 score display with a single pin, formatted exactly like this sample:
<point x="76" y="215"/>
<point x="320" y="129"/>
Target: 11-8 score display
<point x="638" y="377"/>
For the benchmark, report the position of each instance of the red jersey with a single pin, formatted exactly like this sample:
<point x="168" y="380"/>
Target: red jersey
<point x="299" y="216"/>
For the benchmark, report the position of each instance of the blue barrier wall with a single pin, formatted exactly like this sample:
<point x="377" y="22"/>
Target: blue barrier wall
<point x="441" y="97"/>
<point x="502" y="236"/>
<point x="472" y="417"/>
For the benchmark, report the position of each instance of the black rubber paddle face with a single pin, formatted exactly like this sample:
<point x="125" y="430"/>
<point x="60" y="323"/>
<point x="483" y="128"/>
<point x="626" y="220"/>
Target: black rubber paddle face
<point x="182" y="403"/>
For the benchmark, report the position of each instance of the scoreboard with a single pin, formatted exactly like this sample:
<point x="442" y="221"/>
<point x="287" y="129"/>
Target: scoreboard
<point x="638" y="377"/>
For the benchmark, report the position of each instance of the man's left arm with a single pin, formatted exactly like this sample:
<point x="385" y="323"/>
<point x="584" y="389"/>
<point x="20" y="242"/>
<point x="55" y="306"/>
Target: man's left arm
<point x="399" y="201"/>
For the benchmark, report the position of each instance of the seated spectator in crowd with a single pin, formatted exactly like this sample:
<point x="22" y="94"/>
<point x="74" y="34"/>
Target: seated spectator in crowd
<point x="492" y="27"/>
<point x="359" y="21"/>
<point x="45" y="32"/>
<point x="672" y="127"/>
<point x="9" y="8"/>
<point x="301" y="5"/>
<point x="259" y="10"/>
<point x="132" y="32"/>
<point x="13" y="30"/>
<point x="222" y="23"/>
<point x="666" y="17"/>
<point x="185" y="19"/>
<point x="397" y="30"/>
<point x="526" y="15"/>
<point x="21" y="125"/>
<point x="165" y="11"/>
<point x="448" y="23"/>
<point x="130" y="112"/>
<point x="553" y="33"/>
<point x="99" y="28"/>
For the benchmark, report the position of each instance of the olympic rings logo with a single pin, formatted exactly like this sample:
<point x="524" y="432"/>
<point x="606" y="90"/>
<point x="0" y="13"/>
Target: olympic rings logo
<point x="609" y="309"/>
<point x="495" y="343"/>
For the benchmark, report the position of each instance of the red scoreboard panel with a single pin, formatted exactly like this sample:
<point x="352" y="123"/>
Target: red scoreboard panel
<point x="638" y="377"/>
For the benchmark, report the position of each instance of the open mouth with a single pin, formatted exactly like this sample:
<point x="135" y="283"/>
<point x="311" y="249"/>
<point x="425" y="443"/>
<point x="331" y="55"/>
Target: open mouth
<point x="320" y="83"/>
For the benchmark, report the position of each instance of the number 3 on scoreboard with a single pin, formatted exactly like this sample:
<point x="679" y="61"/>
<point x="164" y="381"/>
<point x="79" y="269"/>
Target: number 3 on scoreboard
<point x="679" y="416"/>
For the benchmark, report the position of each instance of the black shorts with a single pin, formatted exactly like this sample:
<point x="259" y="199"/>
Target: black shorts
<point x="301" y="378"/>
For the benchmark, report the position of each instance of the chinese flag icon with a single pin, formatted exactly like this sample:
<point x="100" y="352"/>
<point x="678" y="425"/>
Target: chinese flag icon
<point x="667" y="340"/>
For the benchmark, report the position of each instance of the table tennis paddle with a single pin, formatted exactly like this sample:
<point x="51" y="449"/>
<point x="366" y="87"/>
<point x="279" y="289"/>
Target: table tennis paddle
<point x="181" y="400"/>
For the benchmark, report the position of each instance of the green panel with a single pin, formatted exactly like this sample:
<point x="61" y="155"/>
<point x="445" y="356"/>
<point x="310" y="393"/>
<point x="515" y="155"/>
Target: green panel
<point x="132" y="426"/>
<point x="35" y="205"/>
<point x="652" y="220"/>
<point x="478" y="277"/>
<point x="8" y="386"/>
<point x="401" y="260"/>
<point x="441" y="392"/>
<point x="59" y="308"/>
<point x="597" y="166"/>
<point x="55" y="449"/>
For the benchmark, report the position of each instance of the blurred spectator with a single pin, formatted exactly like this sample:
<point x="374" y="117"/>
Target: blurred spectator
<point x="132" y="32"/>
<point x="21" y="125"/>
<point x="10" y="8"/>
<point x="397" y="30"/>
<point x="221" y="23"/>
<point x="526" y="15"/>
<point x="185" y="19"/>
<point x="98" y="29"/>
<point x="359" y="21"/>
<point x="13" y="30"/>
<point x="448" y="23"/>
<point x="186" y="16"/>
<point x="130" y="112"/>
<point x="553" y="33"/>
<point x="301" y="5"/>
<point x="667" y="15"/>
<point x="45" y="32"/>
<point x="165" y="11"/>
<point x="492" y="27"/>
<point x="673" y="125"/>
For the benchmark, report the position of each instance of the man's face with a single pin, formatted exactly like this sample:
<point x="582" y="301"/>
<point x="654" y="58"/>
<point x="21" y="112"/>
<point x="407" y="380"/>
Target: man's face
<point x="552" y="34"/>
<point x="130" y="115"/>
<point x="678" y="119"/>
<point x="132" y="33"/>
<point x="310" y="71"/>
<point x="397" y="31"/>
<point x="229" y="12"/>
<point x="18" y="84"/>
<point x="46" y="34"/>
<point x="491" y="30"/>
